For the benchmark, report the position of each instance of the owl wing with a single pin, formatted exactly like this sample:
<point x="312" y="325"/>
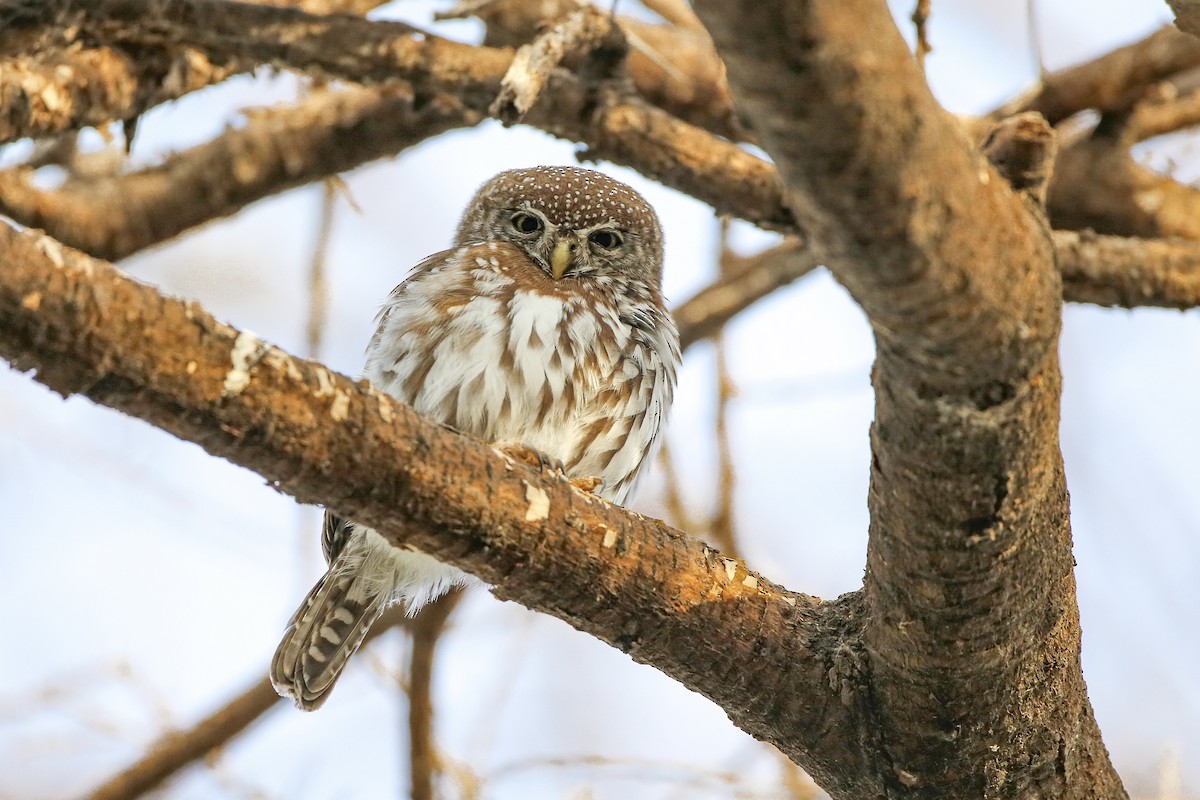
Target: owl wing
<point x="335" y="532"/>
<point x="621" y="423"/>
<point x="426" y="267"/>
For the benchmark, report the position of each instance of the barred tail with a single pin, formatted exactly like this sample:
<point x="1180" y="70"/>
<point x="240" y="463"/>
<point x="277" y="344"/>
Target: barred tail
<point x="324" y="632"/>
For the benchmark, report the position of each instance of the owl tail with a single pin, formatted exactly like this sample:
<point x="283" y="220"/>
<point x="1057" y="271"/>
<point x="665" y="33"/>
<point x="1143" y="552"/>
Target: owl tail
<point x="324" y="632"/>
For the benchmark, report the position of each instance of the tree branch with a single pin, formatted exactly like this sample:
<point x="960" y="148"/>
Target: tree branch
<point x="330" y="131"/>
<point x="745" y="282"/>
<point x="71" y="87"/>
<point x="1111" y="83"/>
<point x="1127" y="273"/>
<point x="759" y="651"/>
<point x="1187" y="15"/>
<point x="971" y="644"/>
<point x="1099" y="186"/>
<point x="426" y="630"/>
<point x="177" y="750"/>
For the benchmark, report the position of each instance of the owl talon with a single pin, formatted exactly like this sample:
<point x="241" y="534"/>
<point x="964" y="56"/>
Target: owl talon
<point x="589" y="483"/>
<point x="519" y="451"/>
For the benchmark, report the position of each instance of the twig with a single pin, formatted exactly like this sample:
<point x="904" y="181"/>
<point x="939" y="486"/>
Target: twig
<point x="721" y="526"/>
<point x="177" y="749"/>
<point x="576" y="34"/>
<point x="677" y="511"/>
<point x="920" y="19"/>
<point x="427" y="628"/>
<point x="329" y="131"/>
<point x="71" y="87"/>
<point x="318" y="295"/>
<point x="746" y="281"/>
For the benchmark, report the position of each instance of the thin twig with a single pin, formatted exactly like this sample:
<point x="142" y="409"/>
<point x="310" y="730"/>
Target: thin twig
<point x="920" y="18"/>
<point x="677" y="511"/>
<point x="175" y="750"/>
<point x="576" y="34"/>
<point x="746" y="281"/>
<point x="427" y="628"/>
<point x="721" y="526"/>
<point x="318" y="295"/>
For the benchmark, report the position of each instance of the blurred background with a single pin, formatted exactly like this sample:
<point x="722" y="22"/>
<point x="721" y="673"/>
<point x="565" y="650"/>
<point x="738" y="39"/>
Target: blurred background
<point x="145" y="583"/>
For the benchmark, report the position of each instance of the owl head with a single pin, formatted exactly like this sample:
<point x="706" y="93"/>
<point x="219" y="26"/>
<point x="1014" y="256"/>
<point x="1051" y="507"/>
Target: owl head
<point x="573" y="223"/>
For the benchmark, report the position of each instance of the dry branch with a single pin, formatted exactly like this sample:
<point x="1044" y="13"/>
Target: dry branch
<point x="427" y="629"/>
<point x="338" y="45"/>
<point x="656" y="594"/>
<point x="330" y="131"/>
<point x="1099" y="186"/>
<point x="672" y="66"/>
<point x="73" y="86"/>
<point x="1187" y="15"/>
<point x="1111" y="83"/>
<point x="1116" y="271"/>
<point x="746" y="281"/>
<point x="178" y="749"/>
<point x="574" y="36"/>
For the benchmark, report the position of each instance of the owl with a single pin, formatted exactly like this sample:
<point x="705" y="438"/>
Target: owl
<point x="542" y="329"/>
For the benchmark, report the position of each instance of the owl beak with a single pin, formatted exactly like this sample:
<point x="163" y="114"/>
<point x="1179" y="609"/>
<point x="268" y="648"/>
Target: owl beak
<point x="561" y="258"/>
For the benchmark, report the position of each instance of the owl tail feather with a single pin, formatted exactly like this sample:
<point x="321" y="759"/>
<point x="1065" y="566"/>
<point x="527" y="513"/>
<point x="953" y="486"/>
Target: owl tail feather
<point x="322" y="635"/>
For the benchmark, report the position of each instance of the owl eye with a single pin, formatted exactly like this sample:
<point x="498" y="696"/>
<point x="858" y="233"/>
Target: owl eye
<point x="526" y="223"/>
<point x="606" y="240"/>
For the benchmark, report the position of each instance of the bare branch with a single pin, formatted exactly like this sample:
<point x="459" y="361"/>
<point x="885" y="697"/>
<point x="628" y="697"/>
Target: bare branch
<point x="1167" y="113"/>
<point x="1187" y="15"/>
<point x="575" y="35"/>
<point x="427" y="629"/>
<point x="336" y="45"/>
<point x="1116" y="271"/>
<point x="664" y="598"/>
<point x="746" y="281"/>
<point x="71" y="87"/>
<point x="178" y="749"/>
<point x="972" y="641"/>
<point x="1111" y="83"/>
<point x="1099" y="186"/>
<point x="329" y="131"/>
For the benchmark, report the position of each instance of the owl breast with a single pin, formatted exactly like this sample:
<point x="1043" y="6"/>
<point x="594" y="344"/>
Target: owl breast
<point x="482" y="339"/>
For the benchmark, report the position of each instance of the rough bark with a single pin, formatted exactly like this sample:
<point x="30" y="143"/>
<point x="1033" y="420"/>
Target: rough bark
<point x="330" y="131"/>
<point x="955" y="671"/>
<point x="970" y="648"/>
<point x="764" y="654"/>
